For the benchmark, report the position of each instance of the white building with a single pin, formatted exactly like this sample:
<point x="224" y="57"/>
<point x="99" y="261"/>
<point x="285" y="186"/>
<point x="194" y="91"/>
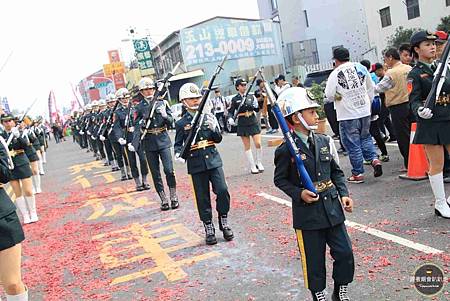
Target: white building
<point x="311" y="29"/>
<point x="384" y="16"/>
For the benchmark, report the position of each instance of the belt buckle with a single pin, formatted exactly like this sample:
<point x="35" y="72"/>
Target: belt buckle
<point x="321" y="186"/>
<point x="202" y="144"/>
<point x="247" y="114"/>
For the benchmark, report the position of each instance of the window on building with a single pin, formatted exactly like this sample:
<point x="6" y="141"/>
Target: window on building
<point x="385" y="15"/>
<point x="412" y="7"/>
<point x="306" y="18"/>
<point x="447" y="2"/>
<point x="274" y="4"/>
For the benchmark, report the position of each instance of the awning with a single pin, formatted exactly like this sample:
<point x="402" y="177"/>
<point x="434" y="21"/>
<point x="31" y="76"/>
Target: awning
<point x="189" y="74"/>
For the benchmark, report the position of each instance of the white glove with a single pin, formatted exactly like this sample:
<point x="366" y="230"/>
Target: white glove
<point x="178" y="159"/>
<point x="102" y="138"/>
<point x="231" y="121"/>
<point x="160" y="85"/>
<point x="89" y="133"/>
<point x="255" y="103"/>
<point x="77" y="127"/>
<point x="425" y="113"/>
<point x="81" y="133"/>
<point x="211" y="122"/>
<point x="15" y="131"/>
<point x="162" y="111"/>
<point x="122" y="141"/>
<point x="131" y="147"/>
<point x="131" y="129"/>
<point x="93" y="138"/>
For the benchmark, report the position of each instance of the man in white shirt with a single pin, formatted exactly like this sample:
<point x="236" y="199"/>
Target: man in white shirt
<point x="352" y="90"/>
<point x="219" y="108"/>
<point x="281" y="84"/>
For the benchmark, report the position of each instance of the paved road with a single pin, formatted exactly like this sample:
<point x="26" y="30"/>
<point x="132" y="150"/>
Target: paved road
<point x="97" y="239"/>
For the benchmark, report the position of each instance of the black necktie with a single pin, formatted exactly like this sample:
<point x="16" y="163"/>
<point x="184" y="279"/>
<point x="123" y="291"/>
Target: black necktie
<point x="311" y="145"/>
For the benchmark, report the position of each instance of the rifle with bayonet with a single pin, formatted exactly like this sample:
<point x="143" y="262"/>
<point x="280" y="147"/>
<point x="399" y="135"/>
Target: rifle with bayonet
<point x="439" y="78"/>
<point x="109" y="119"/>
<point x="197" y="121"/>
<point x="305" y="179"/>
<point x="156" y="96"/>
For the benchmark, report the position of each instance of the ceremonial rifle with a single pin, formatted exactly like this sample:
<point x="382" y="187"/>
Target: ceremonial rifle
<point x="305" y="179"/>
<point x="197" y="121"/>
<point x="439" y="78"/>
<point x="152" y="107"/>
<point x="109" y="120"/>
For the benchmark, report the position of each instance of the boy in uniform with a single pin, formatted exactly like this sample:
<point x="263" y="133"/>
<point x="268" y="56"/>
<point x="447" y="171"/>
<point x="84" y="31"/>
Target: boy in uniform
<point x="204" y="163"/>
<point x="318" y="219"/>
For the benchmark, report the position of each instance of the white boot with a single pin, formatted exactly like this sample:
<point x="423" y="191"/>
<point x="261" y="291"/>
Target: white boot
<point x="20" y="297"/>
<point x="22" y="205"/>
<point x="253" y="168"/>
<point x="41" y="167"/>
<point x="44" y="157"/>
<point x="441" y="208"/>
<point x="37" y="183"/>
<point x="259" y="160"/>
<point x="31" y="202"/>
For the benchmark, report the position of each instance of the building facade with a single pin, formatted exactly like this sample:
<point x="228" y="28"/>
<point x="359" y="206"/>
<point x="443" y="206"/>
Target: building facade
<point x="249" y="44"/>
<point x="385" y="16"/>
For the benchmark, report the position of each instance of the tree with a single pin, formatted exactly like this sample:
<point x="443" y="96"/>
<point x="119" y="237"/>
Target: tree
<point x="445" y="24"/>
<point x="401" y="36"/>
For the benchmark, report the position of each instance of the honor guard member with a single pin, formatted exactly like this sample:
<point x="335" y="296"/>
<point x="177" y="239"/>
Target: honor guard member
<point x="91" y="129"/>
<point x="39" y="131"/>
<point x="204" y="163"/>
<point x="118" y="141"/>
<point x="30" y="151"/>
<point x="20" y="180"/>
<point x="84" y="127"/>
<point x="433" y="125"/>
<point x="11" y="235"/>
<point x="139" y="179"/>
<point x="156" y="143"/>
<point x="78" y="122"/>
<point x="95" y="134"/>
<point x="247" y="125"/>
<point x="317" y="219"/>
<point x="105" y="131"/>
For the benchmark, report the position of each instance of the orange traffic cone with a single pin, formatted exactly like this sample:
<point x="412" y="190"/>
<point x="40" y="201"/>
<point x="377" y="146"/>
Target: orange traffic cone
<point x="417" y="160"/>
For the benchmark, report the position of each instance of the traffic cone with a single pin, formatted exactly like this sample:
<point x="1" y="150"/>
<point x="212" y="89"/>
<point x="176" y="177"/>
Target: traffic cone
<point x="417" y="160"/>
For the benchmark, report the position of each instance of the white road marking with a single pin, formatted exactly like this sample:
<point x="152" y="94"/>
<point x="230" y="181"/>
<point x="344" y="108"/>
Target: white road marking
<point x="380" y="234"/>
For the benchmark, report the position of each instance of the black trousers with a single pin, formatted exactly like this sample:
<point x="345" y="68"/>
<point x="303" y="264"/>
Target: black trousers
<point x="312" y="246"/>
<point x="120" y="154"/>
<point x="153" y="162"/>
<point x="84" y="141"/>
<point x="272" y="120"/>
<point x="133" y="157"/>
<point x="401" y="121"/>
<point x="109" y="150"/>
<point x="330" y="112"/>
<point x="221" y="119"/>
<point x="201" y="182"/>
<point x="384" y="120"/>
<point x="101" y="148"/>
<point x="376" y="134"/>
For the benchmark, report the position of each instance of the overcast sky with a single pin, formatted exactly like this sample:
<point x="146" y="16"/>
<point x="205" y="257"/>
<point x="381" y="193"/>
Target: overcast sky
<point x="55" y="43"/>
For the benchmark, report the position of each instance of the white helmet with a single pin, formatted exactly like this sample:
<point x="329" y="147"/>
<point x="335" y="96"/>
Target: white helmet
<point x="94" y="103"/>
<point x="189" y="90"/>
<point x="80" y="111"/>
<point x="295" y="99"/>
<point x="88" y="107"/>
<point x="146" y="83"/>
<point x="111" y="97"/>
<point x="122" y="93"/>
<point x="102" y="102"/>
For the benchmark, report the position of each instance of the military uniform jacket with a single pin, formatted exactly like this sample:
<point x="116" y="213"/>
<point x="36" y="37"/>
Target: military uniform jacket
<point x="154" y="142"/>
<point x="419" y="83"/>
<point x="20" y="143"/>
<point x="246" y="107"/>
<point x="6" y="205"/>
<point x="118" y="127"/>
<point x="202" y="159"/>
<point x="40" y="134"/>
<point x="321" y="166"/>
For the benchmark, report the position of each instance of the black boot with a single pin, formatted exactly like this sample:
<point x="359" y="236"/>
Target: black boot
<point x="340" y="293"/>
<point x="225" y="228"/>
<point x="145" y="184"/>
<point x="138" y="183"/>
<point x="123" y="174"/>
<point x="129" y="177"/>
<point x="319" y="296"/>
<point x="210" y="236"/>
<point x="164" y="201"/>
<point x="174" y="204"/>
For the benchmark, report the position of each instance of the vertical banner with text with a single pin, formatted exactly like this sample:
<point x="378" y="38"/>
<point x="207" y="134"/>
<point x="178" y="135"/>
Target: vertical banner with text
<point x="143" y="53"/>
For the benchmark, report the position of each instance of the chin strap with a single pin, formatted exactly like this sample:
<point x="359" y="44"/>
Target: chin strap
<point x="307" y="126"/>
<point x="195" y="108"/>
